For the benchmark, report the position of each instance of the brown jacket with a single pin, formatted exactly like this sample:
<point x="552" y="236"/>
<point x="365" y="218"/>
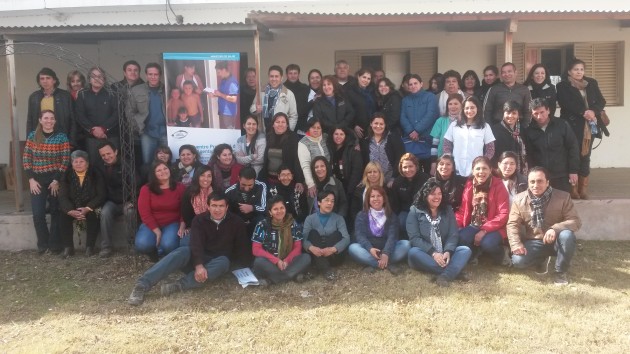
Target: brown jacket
<point x="560" y="215"/>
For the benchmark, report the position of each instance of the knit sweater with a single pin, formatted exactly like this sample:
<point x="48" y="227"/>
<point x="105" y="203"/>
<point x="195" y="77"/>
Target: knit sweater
<point x="48" y="160"/>
<point x="308" y="149"/>
<point x="158" y="210"/>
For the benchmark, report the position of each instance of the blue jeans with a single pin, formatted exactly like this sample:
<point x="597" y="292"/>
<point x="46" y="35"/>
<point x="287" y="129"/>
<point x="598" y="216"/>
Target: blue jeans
<point x="109" y="212"/>
<point x="491" y="243"/>
<point x="265" y="269"/>
<point x="146" y="239"/>
<point x="537" y="251"/>
<point x="215" y="267"/>
<point x="149" y="144"/>
<point x="422" y="261"/>
<point x="172" y="262"/>
<point x="46" y="238"/>
<point x="402" y="221"/>
<point x="362" y="256"/>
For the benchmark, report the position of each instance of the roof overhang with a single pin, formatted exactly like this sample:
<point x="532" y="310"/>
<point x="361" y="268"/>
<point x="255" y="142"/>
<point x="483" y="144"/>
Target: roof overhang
<point x="93" y="34"/>
<point x="454" y="22"/>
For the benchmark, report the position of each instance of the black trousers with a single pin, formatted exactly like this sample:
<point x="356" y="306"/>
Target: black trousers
<point x="67" y="231"/>
<point x="323" y="264"/>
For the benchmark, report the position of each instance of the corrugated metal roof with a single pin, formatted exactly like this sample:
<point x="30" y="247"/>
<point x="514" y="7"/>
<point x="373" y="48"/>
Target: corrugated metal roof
<point x="222" y="13"/>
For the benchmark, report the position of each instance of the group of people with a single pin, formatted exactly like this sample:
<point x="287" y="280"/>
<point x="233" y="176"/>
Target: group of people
<point x="340" y="166"/>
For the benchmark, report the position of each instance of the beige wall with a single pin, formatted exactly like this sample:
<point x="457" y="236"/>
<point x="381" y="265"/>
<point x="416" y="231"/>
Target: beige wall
<point x="314" y="48"/>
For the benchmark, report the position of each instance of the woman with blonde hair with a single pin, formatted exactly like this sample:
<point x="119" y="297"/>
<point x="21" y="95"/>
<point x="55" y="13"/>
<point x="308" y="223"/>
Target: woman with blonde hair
<point x="372" y="176"/>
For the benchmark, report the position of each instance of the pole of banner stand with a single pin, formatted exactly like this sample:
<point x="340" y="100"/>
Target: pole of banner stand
<point x="15" y="134"/>
<point x="258" y="98"/>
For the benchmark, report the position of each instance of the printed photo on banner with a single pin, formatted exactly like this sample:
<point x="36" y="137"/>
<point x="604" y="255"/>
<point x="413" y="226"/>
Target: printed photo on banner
<point x="202" y="104"/>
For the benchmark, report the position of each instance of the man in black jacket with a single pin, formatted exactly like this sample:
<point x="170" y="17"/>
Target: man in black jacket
<point x="300" y="91"/>
<point x="110" y="168"/>
<point x="216" y="239"/>
<point x="551" y="143"/>
<point x="248" y="198"/>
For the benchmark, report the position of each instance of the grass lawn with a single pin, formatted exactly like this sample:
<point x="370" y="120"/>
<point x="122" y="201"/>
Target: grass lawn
<point x="79" y="305"/>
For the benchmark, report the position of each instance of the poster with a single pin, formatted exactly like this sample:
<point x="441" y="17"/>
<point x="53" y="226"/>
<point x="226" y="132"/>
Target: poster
<point x="202" y="104"/>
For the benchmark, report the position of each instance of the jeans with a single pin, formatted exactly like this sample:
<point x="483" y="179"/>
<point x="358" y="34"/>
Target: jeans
<point x="149" y="144"/>
<point x="537" y="251"/>
<point x="109" y="212"/>
<point x="491" y="243"/>
<point x="402" y="221"/>
<point x="265" y="269"/>
<point x="215" y="267"/>
<point x="46" y="238"/>
<point x="362" y="256"/>
<point x="422" y="261"/>
<point x="174" y="261"/>
<point x="146" y="239"/>
<point x="66" y="229"/>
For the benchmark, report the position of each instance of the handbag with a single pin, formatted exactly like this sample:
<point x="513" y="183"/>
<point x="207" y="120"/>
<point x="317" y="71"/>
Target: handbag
<point x="421" y="148"/>
<point x="605" y="118"/>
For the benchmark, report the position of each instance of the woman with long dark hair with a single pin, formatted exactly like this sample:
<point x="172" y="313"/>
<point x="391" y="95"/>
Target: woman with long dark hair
<point x="313" y="144"/>
<point x="581" y="105"/>
<point x="277" y="246"/>
<point x="250" y="148"/>
<point x="383" y="147"/>
<point x="184" y="168"/>
<point x="406" y="186"/>
<point x="224" y="167"/>
<point x="452" y="184"/>
<point x="433" y="235"/>
<point x="346" y="159"/>
<point x="539" y="84"/>
<point x="46" y="158"/>
<point x="471" y="83"/>
<point x="510" y="137"/>
<point x="159" y="206"/>
<point x="195" y="198"/>
<point x="507" y="170"/>
<point x="281" y="149"/>
<point x="332" y="107"/>
<point x="389" y="101"/>
<point x="469" y="138"/>
<point x="325" y="181"/>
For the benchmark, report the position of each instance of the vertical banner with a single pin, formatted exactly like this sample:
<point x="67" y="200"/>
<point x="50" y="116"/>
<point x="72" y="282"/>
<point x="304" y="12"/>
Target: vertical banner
<point x="202" y="105"/>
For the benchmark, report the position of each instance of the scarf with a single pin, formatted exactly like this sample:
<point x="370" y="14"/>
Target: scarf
<point x="184" y="173"/>
<point x="436" y="237"/>
<point x="480" y="202"/>
<point x="217" y="173"/>
<point x="521" y="162"/>
<point x="538" y="205"/>
<point x="285" y="235"/>
<point x="379" y="154"/>
<point x="271" y="97"/>
<point x="377" y="221"/>
<point x="200" y="201"/>
<point x="580" y="85"/>
<point x="369" y="100"/>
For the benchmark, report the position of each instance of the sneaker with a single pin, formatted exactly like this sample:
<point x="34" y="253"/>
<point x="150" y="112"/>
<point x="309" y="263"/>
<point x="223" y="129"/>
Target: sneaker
<point x="561" y="279"/>
<point x="464" y="277"/>
<point x="443" y="282"/>
<point x="330" y="276"/>
<point x="263" y="283"/>
<point x="543" y="267"/>
<point x="105" y="253"/>
<point x="137" y="295"/>
<point x="369" y="270"/>
<point x="299" y="278"/>
<point x="308" y="275"/>
<point x="474" y="260"/>
<point x="171" y="288"/>
<point x="394" y="269"/>
<point x="89" y="251"/>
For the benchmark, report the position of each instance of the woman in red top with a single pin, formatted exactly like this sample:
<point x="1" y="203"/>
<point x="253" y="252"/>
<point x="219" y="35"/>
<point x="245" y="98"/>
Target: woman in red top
<point x="159" y="206"/>
<point x="484" y="212"/>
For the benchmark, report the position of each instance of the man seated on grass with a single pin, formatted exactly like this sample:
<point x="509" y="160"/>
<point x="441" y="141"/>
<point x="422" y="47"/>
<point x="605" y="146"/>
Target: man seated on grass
<point x="216" y="236"/>
<point x="542" y="223"/>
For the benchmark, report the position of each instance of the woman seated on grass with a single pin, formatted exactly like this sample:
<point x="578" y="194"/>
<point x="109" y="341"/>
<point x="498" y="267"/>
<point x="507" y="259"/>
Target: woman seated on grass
<point x="376" y="232"/>
<point x="484" y="213"/>
<point x="434" y="236"/>
<point x="277" y="246"/>
<point x="326" y="235"/>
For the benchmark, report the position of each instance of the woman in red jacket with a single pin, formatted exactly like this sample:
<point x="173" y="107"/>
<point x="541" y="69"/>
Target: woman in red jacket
<point x="484" y="212"/>
<point x="159" y="206"/>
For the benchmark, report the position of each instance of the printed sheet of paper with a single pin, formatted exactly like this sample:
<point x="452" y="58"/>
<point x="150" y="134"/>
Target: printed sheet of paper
<point x="245" y="277"/>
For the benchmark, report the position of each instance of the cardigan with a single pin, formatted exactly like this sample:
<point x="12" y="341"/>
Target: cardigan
<point x="335" y="223"/>
<point x="364" y="236"/>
